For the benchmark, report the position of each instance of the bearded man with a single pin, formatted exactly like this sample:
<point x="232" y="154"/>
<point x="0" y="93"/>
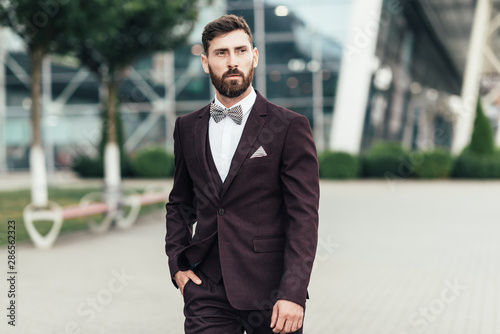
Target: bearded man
<point x="242" y="216"/>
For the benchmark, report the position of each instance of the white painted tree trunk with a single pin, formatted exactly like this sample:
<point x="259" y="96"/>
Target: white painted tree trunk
<point x="39" y="193"/>
<point x="112" y="177"/>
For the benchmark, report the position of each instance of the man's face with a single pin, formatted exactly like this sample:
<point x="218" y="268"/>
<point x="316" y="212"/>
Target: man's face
<point x="230" y="61"/>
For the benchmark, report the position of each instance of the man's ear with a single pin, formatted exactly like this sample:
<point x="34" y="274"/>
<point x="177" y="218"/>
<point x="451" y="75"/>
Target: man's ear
<point x="204" y="63"/>
<point x="255" y="57"/>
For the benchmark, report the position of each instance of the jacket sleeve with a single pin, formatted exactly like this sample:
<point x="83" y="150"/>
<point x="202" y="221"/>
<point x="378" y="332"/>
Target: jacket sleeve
<point x="299" y="172"/>
<point x="181" y="211"/>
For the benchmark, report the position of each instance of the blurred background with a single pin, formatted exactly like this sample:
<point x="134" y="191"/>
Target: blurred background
<point x="360" y="71"/>
<point x="397" y="92"/>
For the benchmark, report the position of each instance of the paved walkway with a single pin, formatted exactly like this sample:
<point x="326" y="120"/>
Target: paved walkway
<point x="393" y="259"/>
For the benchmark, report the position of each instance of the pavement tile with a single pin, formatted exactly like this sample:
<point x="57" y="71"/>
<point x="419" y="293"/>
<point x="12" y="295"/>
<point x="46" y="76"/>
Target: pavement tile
<point x="386" y="254"/>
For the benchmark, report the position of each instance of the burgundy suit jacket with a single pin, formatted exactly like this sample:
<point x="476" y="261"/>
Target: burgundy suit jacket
<point x="265" y="217"/>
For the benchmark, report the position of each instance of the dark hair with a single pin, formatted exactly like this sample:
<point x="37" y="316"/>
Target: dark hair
<point x="223" y="25"/>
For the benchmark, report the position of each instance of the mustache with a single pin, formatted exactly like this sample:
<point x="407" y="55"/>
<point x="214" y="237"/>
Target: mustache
<point x="232" y="72"/>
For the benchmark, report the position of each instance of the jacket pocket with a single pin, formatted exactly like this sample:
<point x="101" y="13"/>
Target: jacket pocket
<point x="257" y="160"/>
<point x="269" y="244"/>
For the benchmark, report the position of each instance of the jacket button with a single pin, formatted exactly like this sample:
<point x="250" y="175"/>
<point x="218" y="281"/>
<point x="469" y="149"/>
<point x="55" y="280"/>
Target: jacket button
<point x="221" y="212"/>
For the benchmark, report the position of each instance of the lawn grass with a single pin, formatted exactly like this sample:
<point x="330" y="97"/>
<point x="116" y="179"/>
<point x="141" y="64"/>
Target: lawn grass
<point x="12" y="204"/>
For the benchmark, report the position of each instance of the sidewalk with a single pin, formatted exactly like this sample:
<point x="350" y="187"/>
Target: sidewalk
<point x="419" y="257"/>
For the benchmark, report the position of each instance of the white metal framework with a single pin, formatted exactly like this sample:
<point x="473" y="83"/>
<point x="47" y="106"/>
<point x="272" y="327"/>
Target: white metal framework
<point x="358" y="65"/>
<point x="3" y="102"/>
<point x="478" y="45"/>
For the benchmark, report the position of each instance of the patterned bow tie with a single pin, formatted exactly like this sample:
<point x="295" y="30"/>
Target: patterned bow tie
<point x="218" y="113"/>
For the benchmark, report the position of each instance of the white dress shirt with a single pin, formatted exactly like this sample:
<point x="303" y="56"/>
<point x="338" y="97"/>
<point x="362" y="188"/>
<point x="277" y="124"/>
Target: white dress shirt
<point x="225" y="135"/>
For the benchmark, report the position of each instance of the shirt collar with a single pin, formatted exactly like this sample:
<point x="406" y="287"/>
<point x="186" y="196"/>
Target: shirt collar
<point x="246" y="104"/>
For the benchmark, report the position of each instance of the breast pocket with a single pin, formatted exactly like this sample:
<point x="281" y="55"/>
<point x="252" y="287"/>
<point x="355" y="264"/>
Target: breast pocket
<point x="259" y="160"/>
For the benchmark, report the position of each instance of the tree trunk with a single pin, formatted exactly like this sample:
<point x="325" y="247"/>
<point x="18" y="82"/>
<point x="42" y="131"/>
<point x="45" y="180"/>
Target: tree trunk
<point x="111" y="104"/>
<point x="112" y="177"/>
<point x="39" y="194"/>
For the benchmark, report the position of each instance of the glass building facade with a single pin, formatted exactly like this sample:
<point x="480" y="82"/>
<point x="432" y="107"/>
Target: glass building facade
<point x="412" y="108"/>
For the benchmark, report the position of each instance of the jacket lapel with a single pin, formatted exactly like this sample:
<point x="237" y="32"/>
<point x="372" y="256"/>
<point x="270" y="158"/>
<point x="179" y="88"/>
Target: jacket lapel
<point x="253" y="126"/>
<point x="200" y="132"/>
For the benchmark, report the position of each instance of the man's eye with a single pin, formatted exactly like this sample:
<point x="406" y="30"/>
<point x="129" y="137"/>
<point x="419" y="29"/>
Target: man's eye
<point x="243" y="50"/>
<point x="219" y="53"/>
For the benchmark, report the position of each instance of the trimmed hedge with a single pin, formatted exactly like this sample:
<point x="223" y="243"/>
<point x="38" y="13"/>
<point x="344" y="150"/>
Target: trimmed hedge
<point x="383" y="160"/>
<point x="338" y="165"/>
<point x="85" y="166"/>
<point x="387" y="159"/>
<point x="88" y="167"/>
<point x="153" y="162"/>
<point x="479" y="160"/>
<point x="482" y="142"/>
<point x="474" y="166"/>
<point x="435" y="164"/>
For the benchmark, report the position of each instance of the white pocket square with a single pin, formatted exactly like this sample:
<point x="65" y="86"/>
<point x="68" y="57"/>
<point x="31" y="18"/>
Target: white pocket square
<point x="259" y="153"/>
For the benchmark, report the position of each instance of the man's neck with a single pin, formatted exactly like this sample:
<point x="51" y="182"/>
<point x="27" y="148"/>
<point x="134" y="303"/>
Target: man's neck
<point x="229" y="102"/>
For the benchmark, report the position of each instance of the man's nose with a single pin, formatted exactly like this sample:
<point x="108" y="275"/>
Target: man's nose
<point x="232" y="60"/>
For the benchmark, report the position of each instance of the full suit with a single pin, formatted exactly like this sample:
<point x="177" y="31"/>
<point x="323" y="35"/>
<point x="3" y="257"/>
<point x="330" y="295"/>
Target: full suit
<point x="257" y="230"/>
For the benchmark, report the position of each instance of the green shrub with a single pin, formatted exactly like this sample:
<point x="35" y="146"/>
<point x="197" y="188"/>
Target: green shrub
<point x="474" y="166"/>
<point x="482" y="135"/>
<point x="153" y="162"/>
<point x="88" y="167"/>
<point x="338" y="165"/>
<point x="387" y="159"/>
<point x="434" y="164"/>
<point x="94" y="167"/>
<point x="479" y="160"/>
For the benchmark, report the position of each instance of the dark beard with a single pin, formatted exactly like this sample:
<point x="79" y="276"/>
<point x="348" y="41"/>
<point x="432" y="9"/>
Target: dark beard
<point x="231" y="89"/>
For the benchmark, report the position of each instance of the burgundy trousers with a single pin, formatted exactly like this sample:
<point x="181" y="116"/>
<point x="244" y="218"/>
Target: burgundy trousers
<point x="207" y="311"/>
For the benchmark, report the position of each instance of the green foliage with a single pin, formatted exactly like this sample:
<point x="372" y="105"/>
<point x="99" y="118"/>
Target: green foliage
<point x="43" y="25"/>
<point x="482" y="136"/>
<point x="479" y="160"/>
<point x="118" y="32"/>
<point x="153" y="162"/>
<point x="107" y="35"/>
<point x="88" y="167"/>
<point x="435" y="164"/>
<point x="387" y="159"/>
<point x="470" y="165"/>
<point x="338" y="165"/>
